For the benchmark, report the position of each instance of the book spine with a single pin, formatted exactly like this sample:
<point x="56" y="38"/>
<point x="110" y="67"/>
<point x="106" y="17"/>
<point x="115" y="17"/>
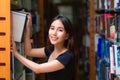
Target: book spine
<point x="118" y="27"/>
<point x="111" y="60"/>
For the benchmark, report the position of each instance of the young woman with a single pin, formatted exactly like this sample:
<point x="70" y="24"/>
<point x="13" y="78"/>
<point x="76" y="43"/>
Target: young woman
<point x="60" y="55"/>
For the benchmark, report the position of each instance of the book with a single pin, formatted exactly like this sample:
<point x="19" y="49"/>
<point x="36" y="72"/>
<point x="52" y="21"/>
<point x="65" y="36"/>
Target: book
<point x="18" y="20"/>
<point x="109" y="25"/>
<point x="118" y="27"/>
<point x="112" y="61"/>
<point x="116" y="4"/>
<point x="117" y="59"/>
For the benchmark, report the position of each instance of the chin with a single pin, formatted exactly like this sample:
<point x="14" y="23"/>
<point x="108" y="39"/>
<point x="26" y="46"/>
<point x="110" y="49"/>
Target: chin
<point x="52" y="42"/>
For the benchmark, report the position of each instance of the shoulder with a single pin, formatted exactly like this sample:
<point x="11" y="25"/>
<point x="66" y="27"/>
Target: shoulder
<point x="67" y="54"/>
<point x="66" y="58"/>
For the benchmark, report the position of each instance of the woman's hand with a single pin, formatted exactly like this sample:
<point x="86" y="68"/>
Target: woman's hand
<point x="14" y="45"/>
<point x="29" y="20"/>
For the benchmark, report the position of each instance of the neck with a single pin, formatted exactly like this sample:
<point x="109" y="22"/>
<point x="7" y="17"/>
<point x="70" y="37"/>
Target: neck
<point x="59" y="48"/>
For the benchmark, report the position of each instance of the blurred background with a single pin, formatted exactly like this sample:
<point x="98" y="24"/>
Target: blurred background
<point x="42" y="12"/>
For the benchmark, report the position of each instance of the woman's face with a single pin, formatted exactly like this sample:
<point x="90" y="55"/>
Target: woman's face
<point x="57" y="33"/>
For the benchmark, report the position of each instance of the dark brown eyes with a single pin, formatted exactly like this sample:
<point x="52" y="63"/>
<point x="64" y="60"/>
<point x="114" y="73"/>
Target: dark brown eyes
<point x="59" y="28"/>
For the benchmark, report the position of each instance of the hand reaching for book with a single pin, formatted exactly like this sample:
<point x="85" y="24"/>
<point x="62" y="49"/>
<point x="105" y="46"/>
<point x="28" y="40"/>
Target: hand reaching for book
<point x="13" y="45"/>
<point x="29" y="20"/>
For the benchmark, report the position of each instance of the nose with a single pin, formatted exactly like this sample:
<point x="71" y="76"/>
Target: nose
<point x="55" y="32"/>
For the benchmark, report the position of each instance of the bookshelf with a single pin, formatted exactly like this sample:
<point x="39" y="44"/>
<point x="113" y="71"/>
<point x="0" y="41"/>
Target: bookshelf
<point x="92" y="42"/>
<point x="36" y="7"/>
<point x="104" y="38"/>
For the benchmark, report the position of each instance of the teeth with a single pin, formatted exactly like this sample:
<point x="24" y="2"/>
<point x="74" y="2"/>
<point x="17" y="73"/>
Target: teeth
<point x="53" y="38"/>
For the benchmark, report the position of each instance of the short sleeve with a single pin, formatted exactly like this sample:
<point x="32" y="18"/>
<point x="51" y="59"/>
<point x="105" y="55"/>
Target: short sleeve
<point x="65" y="58"/>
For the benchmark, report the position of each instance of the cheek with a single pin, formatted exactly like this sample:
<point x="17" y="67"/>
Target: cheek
<point x="49" y="32"/>
<point x="62" y="35"/>
<point x="65" y="35"/>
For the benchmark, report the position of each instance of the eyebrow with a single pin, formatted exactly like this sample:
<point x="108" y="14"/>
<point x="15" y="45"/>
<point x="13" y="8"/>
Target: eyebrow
<point x="61" y="27"/>
<point x="57" y="27"/>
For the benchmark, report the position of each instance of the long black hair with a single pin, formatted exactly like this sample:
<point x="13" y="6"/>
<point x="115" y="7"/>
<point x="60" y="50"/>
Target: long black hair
<point x="70" y="43"/>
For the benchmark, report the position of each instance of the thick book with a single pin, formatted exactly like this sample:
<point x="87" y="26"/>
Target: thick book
<point x="18" y="20"/>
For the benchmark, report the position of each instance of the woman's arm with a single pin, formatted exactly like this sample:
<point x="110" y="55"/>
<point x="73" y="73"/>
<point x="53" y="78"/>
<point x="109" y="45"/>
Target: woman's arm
<point x="51" y="66"/>
<point x="40" y="68"/>
<point x="37" y="52"/>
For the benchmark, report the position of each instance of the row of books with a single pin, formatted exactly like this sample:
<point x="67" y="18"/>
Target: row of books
<point x="106" y="4"/>
<point x="108" y="25"/>
<point x="107" y="59"/>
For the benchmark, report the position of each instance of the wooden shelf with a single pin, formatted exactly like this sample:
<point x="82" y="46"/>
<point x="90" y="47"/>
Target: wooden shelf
<point x="41" y="33"/>
<point x="112" y="11"/>
<point x="92" y="42"/>
<point x="4" y="40"/>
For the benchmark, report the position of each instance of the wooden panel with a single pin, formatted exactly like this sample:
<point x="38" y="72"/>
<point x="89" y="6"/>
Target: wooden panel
<point x="41" y="13"/>
<point x="41" y="33"/>
<point x="4" y="39"/>
<point x="92" y="42"/>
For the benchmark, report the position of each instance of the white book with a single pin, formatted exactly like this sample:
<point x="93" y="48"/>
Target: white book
<point x="116" y="3"/>
<point x="117" y="59"/>
<point x="112" y="67"/>
<point x="18" y="23"/>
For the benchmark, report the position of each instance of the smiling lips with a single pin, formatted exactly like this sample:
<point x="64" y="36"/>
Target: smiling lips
<point x="54" y="38"/>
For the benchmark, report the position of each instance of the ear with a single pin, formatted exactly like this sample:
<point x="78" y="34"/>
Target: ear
<point x="67" y="36"/>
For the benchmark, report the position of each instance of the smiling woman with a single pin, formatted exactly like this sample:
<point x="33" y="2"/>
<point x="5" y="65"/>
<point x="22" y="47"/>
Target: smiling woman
<point x="57" y="33"/>
<point x="60" y="56"/>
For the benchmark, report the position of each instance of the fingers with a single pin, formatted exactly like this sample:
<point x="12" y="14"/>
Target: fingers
<point x="13" y="44"/>
<point x="29" y="20"/>
<point x="29" y="16"/>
